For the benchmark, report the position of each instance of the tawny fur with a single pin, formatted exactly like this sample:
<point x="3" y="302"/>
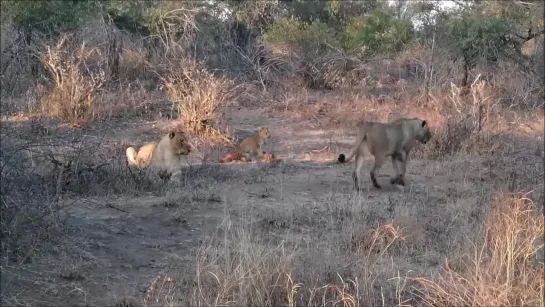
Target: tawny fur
<point x="395" y="140"/>
<point x="165" y="155"/>
<point x="254" y="144"/>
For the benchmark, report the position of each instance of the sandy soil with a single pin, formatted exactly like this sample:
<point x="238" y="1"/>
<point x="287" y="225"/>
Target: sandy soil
<point x="121" y="245"/>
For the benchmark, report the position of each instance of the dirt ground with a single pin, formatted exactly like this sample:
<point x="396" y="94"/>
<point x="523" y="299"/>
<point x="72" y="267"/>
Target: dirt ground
<point x="145" y="246"/>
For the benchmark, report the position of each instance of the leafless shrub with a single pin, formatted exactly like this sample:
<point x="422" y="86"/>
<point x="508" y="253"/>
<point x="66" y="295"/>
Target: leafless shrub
<point x="263" y="66"/>
<point x="36" y="177"/>
<point x="28" y="208"/>
<point x="467" y="116"/>
<point x="74" y="84"/>
<point x="197" y="94"/>
<point x="15" y="62"/>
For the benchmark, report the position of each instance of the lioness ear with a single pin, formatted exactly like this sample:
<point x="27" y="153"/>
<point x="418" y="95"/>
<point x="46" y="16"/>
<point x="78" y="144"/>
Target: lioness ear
<point x="171" y="134"/>
<point x="424" y="123"/>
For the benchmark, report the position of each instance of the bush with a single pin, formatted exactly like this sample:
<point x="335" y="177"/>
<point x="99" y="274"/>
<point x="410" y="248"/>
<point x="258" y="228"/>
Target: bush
<point x="74" y="85"/>
<point x="475" y="36"/>
<point x="292" y="30"/>
<point x="196" y="93"/>
<point x="45" y="16"/>
<point x="309" y="46"/>
<point x="378" y="32"/>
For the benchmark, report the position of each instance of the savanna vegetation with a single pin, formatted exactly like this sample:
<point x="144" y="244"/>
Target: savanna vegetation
<point x="83" y="80"/>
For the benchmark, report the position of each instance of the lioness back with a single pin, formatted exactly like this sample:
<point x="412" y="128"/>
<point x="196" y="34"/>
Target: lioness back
<point x="166" y="154"/>
<point x="140" y="158"/>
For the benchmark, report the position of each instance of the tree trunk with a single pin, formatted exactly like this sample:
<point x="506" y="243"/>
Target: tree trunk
<point x="466" y="71"/>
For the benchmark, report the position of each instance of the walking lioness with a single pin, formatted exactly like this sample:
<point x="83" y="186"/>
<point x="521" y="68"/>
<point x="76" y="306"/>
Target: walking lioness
<point x="395" y="140"/>
<point x="165" y="155"/>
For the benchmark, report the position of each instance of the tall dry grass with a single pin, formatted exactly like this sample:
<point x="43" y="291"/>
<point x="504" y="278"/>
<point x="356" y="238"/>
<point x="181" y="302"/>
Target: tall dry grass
<point x="74" y="85"/>
<point x="197" y="95"/>
<point x="241" y="269"/>
<point x="503" y="269"/>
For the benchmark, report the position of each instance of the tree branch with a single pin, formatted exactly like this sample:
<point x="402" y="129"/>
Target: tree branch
<point x="530" y="35"/>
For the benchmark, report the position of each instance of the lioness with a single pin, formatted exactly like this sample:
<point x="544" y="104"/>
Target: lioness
<point x="255" y="142"/>
<point x="165" y="155"/>
<point x="395" y="139"/>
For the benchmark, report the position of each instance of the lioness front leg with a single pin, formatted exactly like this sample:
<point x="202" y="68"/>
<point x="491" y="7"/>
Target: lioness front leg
<point x="399" y="168"/>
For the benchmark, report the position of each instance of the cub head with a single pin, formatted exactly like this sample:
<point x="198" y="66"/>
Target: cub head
<point x="264" y="133"/>
<point x="423" y="134"/>
<point x="178" y="143"/>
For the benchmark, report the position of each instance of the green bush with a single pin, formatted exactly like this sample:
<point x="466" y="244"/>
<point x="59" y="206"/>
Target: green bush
<point x="138" y="16"/>
<point x="290" y="30"/>
<point x="476" y="36"/>
<point x="378" y="32"/>
<point x="46" y="16"/>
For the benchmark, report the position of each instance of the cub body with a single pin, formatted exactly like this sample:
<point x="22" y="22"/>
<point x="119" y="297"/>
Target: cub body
<point x="254" y="143"/>
<point x="382" y="140"/>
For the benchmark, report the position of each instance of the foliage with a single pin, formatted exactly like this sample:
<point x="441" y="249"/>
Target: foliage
<point x="378" y="32"/>
<point x="345" y="10"/>
<point x="258" y="14"/>
<point x="130" y="15"/>
<point x="473" y="36"/>
<point x="144" y="17"/>
<point x="45" y="16"/>
<point x="288" y="30"/>
<point x="307" y="11"/>
<point x="526" y="14"/>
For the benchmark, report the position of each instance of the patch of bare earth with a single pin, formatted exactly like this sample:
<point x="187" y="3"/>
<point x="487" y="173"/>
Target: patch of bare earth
<point x="226" y="232"/>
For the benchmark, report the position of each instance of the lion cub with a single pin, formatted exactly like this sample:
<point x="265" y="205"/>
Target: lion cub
<point x="254" y="144"/>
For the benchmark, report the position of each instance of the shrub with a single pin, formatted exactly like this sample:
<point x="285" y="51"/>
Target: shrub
<point x="292" y="30"/>
<point x="476" y="36"/>
<point x="196" y="93"/>
<point x="378" y="32"/>
<point x="45" y="16"/>
<point x="74" y="84"/>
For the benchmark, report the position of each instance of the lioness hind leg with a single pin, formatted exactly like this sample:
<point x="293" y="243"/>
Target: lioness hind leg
<point x="379" y="160"/>
<point x="357" y="171"/>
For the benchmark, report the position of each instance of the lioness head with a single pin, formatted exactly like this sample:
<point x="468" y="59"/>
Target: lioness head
<point x="423" y="134"/>
<point x="178" y="143"/>
<point x="264" y="133"/>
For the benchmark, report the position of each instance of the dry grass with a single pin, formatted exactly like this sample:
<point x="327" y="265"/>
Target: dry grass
<point x="198" y="95"/>
<point x="241" y="268"/>
<point x="74" y="84"/>
<point x="502" y="270"/>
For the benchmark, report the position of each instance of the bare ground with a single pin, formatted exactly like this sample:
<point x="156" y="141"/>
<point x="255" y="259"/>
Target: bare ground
<point x="146" y="245"/>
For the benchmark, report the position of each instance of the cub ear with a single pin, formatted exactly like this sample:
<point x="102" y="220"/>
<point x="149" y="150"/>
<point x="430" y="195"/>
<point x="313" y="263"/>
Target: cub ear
<point x="171" y="134"/>
<point x="424" y="123"/>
